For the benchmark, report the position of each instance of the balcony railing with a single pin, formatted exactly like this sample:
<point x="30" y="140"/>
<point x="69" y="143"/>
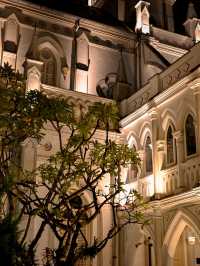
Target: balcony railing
<point x="171" y="181"/>
<point x="191" y="172"/>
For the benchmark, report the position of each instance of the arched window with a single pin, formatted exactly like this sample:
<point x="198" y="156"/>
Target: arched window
<point x="148" y="156"/>
<point x="49" y="67"/>
<point x="190" y="136"/>
<point x="132" y="171"/>
<point x="170" y="146"/>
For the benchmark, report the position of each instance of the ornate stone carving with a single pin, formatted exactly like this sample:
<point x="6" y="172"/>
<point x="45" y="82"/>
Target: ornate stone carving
<point x="175" y="75"/>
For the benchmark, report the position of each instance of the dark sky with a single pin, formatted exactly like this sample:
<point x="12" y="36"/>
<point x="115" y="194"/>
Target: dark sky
<point x="80" y="8"/>
<point x="180" y="12"/>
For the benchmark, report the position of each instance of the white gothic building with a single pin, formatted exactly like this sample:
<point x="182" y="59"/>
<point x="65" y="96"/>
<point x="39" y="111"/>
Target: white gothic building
<point x="145" y="56"/>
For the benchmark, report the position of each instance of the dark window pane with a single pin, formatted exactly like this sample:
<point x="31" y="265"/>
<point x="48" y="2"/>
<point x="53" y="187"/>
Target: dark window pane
<point x="148" y="153"/>
<point x="170" y="146"/>
<point x="190" y="135"/>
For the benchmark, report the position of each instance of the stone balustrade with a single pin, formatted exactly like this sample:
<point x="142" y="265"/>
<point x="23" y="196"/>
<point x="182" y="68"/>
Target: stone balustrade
<point x="191" y="172"/>
<point x="146" y="186"/>
<point x="188" y="175"/>
<point x="170" y="180"/>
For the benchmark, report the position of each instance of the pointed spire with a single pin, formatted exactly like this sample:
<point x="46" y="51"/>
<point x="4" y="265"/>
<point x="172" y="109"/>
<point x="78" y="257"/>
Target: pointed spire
<point x="191" y="13"/>
<point x="142" y="17"/>
<point x="192" y="27"/>
<point x="197" y="32"/>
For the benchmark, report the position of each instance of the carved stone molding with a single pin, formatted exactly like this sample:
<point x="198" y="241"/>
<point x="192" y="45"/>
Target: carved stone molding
<point x="195" y="86"/>
<point x="175" y="75"/>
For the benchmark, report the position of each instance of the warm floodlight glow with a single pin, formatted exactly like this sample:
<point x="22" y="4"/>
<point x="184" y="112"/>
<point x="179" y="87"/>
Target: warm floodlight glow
<point x="159" y="185"/>
<point x="81" y="81"/>
<point x="191" y="240"/>
<point x="147" y="186"/>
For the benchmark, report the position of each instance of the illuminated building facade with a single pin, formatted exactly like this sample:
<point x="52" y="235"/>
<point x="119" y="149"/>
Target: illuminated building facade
<point x="146" y="57"/>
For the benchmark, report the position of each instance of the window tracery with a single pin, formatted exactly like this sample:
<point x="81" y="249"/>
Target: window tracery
<point x="49" y="67"/>
<point x="170" y="146"/>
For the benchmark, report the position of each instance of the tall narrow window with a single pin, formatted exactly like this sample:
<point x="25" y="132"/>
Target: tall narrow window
<point x="49" y="67"/>
<point x="190" y="136"/>
<point x="132" y="171"/>
<point x="170" y="146"/>
<point x="148" y="156"/>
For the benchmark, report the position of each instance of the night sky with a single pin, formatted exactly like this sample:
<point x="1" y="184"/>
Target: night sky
<point x="180" y="13"/>
<point x="80" y="8"/>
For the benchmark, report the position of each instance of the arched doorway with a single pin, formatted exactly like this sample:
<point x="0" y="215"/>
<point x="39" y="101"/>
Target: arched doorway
<point x="182" y="241"/>
<point x="187" y="249"/>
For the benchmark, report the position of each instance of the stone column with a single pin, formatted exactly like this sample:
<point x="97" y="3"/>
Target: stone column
<point x="195" y="86"/>
<point x="141" y="154"/>
<point x="160" y="149"/>
<point x="178" y="135"/>
<point x="158" y="233"/>
<point x="161" y="153"/>
<point x="154" y="123"/>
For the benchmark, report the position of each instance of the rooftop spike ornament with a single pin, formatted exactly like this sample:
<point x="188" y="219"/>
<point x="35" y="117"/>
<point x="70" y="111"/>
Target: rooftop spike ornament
<point x="142" y="17"/>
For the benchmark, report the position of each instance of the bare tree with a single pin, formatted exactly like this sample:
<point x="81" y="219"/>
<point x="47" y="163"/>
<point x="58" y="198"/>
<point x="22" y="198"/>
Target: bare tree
<point x="71" y="179"/>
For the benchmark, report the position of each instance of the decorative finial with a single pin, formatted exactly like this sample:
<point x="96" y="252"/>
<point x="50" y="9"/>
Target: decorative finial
<point x="142" y="17"/>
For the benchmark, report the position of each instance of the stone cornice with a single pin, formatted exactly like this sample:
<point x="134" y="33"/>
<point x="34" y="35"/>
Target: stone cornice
<point x="179" y="87"/>
<point x="73" y="94"/>
<point x="185" y="198"/>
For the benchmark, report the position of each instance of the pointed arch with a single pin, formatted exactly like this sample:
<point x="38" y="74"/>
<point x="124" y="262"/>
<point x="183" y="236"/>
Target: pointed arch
<point x="48" y="54"/>
<point x="146" y="142"/>
<point x="33" y="79"/>
<point x="133" y="170"/>
<point x="47" y="49"/>
<point x="184" y="109"/>
<point x="52" y="42"/>
<point x="49" y="70"/>
<point x="168" y="117"/>
<point x="175" y="229"/>
<point x="145" y="130"/>
<point x="131" y="140"/>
